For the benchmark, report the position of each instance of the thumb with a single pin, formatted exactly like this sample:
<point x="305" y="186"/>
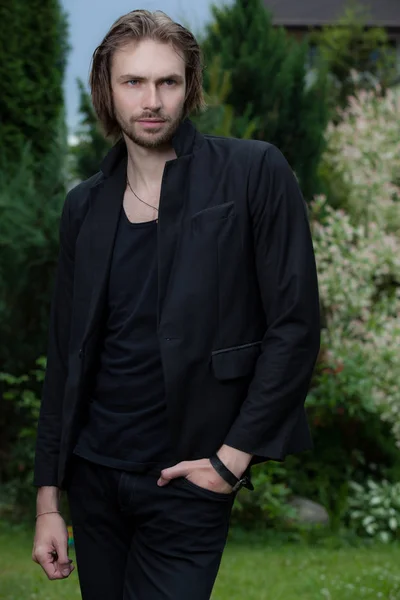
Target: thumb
<point x="179" y="470"/>
<point x="63" y="561"/>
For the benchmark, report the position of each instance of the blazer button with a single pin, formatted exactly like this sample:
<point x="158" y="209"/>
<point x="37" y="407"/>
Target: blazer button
<point x="80" y="353"/>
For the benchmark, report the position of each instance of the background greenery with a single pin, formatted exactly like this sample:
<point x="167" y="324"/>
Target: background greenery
<point x="328" y="103"/>
<point x="33" y="181"/>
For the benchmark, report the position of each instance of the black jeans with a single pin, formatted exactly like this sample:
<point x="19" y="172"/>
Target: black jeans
<point x="137" y="541"/>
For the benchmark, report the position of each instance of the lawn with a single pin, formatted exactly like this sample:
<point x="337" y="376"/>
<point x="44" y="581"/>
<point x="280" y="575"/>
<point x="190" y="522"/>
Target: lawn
<point x="250" y="571"/>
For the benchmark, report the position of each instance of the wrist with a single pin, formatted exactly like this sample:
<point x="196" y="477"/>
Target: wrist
<point x="48" y="499"/>
<point x="236" y="483"/>
<point x="235" y="460"/>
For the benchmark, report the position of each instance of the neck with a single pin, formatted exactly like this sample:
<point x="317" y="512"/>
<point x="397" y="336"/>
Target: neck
<point x="146" y="165"/>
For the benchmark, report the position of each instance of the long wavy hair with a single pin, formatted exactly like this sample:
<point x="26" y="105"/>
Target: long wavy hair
<point x="139" y="25"/>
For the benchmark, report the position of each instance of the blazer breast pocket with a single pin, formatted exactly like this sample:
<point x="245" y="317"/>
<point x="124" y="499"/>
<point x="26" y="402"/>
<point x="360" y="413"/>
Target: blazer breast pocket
<point x="213" y="213"/>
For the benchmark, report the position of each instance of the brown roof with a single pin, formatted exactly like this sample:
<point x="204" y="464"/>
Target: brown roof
<point x="300" y="13"/>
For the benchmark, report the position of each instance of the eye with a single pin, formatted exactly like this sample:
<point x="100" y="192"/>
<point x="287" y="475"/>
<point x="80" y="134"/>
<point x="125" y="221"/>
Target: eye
<point x="132" y="82"/>
<point x="170" y="82"/>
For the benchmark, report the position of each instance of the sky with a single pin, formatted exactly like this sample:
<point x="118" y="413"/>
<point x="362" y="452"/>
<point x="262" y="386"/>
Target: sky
<point x="89" y="21"/>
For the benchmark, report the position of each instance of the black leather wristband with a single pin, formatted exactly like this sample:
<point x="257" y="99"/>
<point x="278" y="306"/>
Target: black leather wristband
<point x="230" y="477"/>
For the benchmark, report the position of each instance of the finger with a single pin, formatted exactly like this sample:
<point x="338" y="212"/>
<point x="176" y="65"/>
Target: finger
<point x="64" y="572"/>
<point x="50" y="568"/>
<point x="63" y="562"/>
<point x="64" y="569"/>
<point x="54" y="571"/>
<point x="179" y="470"/>
<point x="43" y="556"/>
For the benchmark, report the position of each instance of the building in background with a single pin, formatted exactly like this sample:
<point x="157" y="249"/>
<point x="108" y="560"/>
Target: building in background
<point x="299" y="16"/>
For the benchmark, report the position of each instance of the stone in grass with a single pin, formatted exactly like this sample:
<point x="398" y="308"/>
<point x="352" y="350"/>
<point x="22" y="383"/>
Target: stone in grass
<point x="309" y="512"/>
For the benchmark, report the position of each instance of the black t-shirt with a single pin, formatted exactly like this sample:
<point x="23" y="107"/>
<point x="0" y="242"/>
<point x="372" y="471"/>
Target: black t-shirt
<point x="127" y="426"/>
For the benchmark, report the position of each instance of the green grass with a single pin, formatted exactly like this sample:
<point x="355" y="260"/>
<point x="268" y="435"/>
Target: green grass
<point x="250" y="570"/>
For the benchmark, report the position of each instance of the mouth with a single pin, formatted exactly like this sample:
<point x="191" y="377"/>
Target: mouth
<point x="151" y="123"/>
<point x="151" y="120"/>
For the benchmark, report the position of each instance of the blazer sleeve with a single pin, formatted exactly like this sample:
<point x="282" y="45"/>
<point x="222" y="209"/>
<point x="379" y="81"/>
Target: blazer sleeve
<point x="49" y="425"/>
<point x="287" y="277"/>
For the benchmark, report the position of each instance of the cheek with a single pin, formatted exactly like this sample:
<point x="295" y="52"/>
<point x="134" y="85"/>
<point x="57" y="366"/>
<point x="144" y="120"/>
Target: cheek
<point x="174" y="102"/>
<point x="126" y="103"/>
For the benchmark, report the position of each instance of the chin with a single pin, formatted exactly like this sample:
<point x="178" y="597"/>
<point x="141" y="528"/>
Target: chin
<point x="153" y="139"/>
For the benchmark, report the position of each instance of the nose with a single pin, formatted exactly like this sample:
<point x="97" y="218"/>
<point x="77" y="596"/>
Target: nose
<point x="151" y="99"/>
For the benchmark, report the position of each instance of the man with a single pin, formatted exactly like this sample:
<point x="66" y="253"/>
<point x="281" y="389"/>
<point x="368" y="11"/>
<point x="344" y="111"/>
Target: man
<point x="184" y="331"/>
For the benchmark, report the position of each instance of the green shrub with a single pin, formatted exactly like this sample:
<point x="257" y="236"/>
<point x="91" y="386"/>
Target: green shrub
<point x="29" y="221"/>
<point x="22" y="393"/>
<point x="374" y="509"/>
<point x="266" y="506"/>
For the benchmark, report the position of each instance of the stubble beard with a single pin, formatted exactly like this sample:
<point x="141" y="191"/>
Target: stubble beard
<point x="151" y="139"/>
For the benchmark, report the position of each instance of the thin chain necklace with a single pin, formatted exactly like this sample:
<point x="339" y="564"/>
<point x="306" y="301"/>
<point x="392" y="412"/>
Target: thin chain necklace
<point x="134" y="193"/>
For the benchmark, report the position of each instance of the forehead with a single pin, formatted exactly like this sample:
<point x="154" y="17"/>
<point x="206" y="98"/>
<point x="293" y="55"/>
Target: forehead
<point x="147" y="58"/>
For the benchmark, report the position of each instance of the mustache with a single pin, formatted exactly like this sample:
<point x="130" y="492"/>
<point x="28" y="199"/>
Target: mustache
<point x="150" y="116"/>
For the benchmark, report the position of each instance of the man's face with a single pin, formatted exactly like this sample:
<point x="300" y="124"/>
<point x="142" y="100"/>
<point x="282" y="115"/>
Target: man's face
<point x="148" y="87"/>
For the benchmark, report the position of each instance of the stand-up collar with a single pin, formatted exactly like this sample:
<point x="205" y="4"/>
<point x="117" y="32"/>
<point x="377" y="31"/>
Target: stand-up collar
<point x="185" y="141"/>
<point x="186" y="138"/>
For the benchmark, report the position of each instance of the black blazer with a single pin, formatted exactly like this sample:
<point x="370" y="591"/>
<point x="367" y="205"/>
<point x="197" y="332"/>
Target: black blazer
<point x="238" y="308"/>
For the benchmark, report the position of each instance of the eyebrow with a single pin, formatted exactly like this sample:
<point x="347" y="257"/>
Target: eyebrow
<point x="129" y="76"/>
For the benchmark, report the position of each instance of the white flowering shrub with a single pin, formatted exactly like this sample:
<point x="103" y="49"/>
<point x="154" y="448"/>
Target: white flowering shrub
<point x="358" y="259"/>
<point x="359" y="279"/>
<point x="363" y="153"/>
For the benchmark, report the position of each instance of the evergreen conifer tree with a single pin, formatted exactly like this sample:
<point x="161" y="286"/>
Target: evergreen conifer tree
<point x="92" y="145"/>
<point x="270" y="83"/>
<point x="33" y="47"/>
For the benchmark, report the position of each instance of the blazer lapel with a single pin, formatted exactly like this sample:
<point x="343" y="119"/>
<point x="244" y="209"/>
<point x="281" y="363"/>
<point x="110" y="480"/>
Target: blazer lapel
<point x="174" y="192"/>
<point x="106" y="204"/>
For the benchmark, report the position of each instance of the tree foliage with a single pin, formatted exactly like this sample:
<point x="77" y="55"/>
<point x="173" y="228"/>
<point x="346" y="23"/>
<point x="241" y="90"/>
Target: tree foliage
<point x="92" y="145"/>
<point x="219" y="118"/>
<point x="348" y="47"/>
<point x="29" y="216"/>
<point x="33" y="41"/>
<point x="33" y="47"/>
<point x="268" y="75"/>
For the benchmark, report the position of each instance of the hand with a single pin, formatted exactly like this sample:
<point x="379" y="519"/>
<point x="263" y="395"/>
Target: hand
<point x="200" y="472"/>
<point x="50" y="546"/>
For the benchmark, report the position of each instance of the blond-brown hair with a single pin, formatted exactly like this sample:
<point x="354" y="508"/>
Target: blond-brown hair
<point x="139" y="25"/>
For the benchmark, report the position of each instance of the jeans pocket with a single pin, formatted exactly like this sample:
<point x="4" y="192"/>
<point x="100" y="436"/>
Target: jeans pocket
<point x="200" y="491"/>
